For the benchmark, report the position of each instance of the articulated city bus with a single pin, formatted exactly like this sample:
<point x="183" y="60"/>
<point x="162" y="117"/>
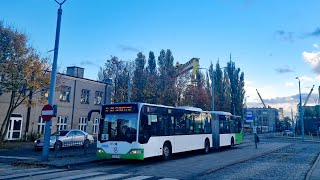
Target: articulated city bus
<point x="141" y="130"/>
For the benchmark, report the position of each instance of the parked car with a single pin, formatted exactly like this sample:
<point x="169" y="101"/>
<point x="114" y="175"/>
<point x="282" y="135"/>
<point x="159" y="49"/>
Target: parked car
<point x="66" y="138"/>
<point x="287" y="133"/>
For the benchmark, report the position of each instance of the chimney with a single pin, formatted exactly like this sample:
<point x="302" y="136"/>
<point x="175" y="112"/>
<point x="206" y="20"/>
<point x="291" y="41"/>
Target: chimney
<point x="75" y="71"/>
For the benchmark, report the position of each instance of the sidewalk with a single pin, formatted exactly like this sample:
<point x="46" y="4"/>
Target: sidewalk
<point x="314" y="172"/>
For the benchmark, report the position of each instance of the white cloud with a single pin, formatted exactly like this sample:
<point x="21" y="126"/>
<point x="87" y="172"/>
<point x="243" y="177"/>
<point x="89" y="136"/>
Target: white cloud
<point x="306" y="78"/>
<point x="289" y="84"/>
<point x="313" y="58"/>
<point x="316" y="46"/>
<point x="248" y="82"/>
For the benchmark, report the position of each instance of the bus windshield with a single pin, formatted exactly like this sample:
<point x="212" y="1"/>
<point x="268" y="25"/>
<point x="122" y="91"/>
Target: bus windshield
<point x="121" y="126"/>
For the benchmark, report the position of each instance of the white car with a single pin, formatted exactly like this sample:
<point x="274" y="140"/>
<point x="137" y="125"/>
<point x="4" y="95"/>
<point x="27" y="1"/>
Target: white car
<point x="287" y="133"/>
<point x="66" y="138"/>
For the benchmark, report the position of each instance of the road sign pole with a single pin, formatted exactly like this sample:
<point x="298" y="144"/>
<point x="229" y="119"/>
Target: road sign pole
<point x="47" y="132"/>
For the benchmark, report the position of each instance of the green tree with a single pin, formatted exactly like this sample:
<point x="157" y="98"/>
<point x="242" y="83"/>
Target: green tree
<point x="22" y="72"/>
<point x="220" y="96"/>
<point x="120" y="72"/>
<point x="139" y="79"/>
<point x="151" y="90"/>
<point x="236" y="88"/>
<point x="167" y="78"/>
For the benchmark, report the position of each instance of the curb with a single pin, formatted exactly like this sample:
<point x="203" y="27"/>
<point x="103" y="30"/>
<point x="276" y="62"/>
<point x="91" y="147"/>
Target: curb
<point x="312" y="168"/>
<point x="292" y="138"/>
<point x="243" y="160"/>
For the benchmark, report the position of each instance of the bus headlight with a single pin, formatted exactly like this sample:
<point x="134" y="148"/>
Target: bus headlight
<point x="100" y="151"/>
<point x="136" y="152"/>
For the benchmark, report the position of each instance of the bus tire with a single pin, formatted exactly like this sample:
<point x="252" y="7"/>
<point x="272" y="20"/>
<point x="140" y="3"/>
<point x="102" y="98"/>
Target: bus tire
<point x="166" y="151"/>
<point x="206" y="149"/>
<point x="232" y="143"/>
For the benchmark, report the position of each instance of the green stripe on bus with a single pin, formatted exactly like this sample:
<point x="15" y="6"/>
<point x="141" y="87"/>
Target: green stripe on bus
<point x="239" y="137"/>
<point x="104" y="155"/>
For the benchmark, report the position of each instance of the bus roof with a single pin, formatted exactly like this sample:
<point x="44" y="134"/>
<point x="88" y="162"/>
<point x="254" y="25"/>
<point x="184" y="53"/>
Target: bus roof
<point x="178" y="107"/>
<point x="122" y="103"/>
<point x="189" y="108"/>
<point x="222" y="113"/>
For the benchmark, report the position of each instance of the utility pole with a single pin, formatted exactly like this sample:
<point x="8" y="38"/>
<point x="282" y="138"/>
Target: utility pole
<point x="46" y="142"/>
<point x="301" y="113"/>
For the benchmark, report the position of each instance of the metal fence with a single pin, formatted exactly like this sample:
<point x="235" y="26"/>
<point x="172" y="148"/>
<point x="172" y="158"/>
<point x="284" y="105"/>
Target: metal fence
<point x="307" y="137"/>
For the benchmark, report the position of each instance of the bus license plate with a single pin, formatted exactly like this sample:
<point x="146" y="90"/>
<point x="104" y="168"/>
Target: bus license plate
<point x="115" y="156"/>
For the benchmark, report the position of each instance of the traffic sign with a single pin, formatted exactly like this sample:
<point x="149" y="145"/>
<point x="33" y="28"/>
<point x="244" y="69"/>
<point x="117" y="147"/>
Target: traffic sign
<point x="249" y="116"/>
<point x="47" y="112"/>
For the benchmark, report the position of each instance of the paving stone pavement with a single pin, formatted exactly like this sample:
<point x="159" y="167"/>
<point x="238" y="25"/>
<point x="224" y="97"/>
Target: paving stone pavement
<point x="292" y="162"/>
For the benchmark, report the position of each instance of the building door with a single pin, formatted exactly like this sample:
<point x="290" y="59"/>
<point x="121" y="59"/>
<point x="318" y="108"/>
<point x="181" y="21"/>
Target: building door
<point x="15" y="127"/>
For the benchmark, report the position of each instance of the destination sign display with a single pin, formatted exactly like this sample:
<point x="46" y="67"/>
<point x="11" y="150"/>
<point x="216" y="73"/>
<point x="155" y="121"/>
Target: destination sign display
<point x="124" y="108"/>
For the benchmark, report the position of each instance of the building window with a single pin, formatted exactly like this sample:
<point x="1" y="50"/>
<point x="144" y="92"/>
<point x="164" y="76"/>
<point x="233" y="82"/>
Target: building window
<point x="44" y="94"/>
<point x="83" y="124"/>
<point x="65" y="94"/>
<point x="95" y="126"/>
<point x="98" y="97"/>
<point x="41" y="125"/>
<point x="62" y="123"/>
<point x="85" y="96"/>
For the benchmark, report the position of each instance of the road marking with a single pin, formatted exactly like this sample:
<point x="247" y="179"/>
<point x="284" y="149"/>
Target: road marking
<point x="111" y="176"/>
<point x="65" y="173"/>
<point x="79" y="176"/>
<point x="19" y="170"/>
<point x="28" y="174"/>
<point x="16" y="157"/>
<point x="139" y="178"/>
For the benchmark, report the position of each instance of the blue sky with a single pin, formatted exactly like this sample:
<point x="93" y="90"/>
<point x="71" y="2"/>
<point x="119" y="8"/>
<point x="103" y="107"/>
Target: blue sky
<point x="271" y="41"/>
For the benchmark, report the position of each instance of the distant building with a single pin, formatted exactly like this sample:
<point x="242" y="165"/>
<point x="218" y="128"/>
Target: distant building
<point x="265" y="119"/>
<point x="281" y="114"/>
<point x="311" y="119"/>
<point x="75" y="97"/>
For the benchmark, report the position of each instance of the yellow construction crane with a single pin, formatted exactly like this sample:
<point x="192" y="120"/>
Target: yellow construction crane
<point x="305" y="103"/>
<point x="264" y="105"/>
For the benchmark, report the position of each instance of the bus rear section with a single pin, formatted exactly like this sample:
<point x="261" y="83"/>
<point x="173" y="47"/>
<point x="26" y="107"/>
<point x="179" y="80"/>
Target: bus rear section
<point x="230" y="129"/>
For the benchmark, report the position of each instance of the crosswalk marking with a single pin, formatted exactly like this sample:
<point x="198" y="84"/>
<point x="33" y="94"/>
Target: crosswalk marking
<point x="28" y="174"/>
<point x="53" y="175"/>
<point x="20" y="170"/>
<point x="80" y="176"/>
<point x="139" y="178"/>
<point x="23" y="173"/>
<point x="109" y="176"/>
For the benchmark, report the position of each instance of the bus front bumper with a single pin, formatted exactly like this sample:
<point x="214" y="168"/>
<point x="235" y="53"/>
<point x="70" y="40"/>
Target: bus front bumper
<point x="137" y="154"/>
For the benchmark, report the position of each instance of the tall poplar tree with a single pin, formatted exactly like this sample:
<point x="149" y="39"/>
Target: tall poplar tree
<point x="139" y="79"/>
<point x="151" y="90"/>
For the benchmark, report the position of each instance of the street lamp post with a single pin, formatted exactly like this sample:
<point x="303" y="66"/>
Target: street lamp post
<point x="300" y="112"/>
<point x="46" y="142"/>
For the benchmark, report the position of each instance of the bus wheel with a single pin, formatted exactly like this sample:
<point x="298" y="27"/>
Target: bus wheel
<point x="206" y="146"/>
<point x="232" y="143"/>
<point x="166" y="151"/>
